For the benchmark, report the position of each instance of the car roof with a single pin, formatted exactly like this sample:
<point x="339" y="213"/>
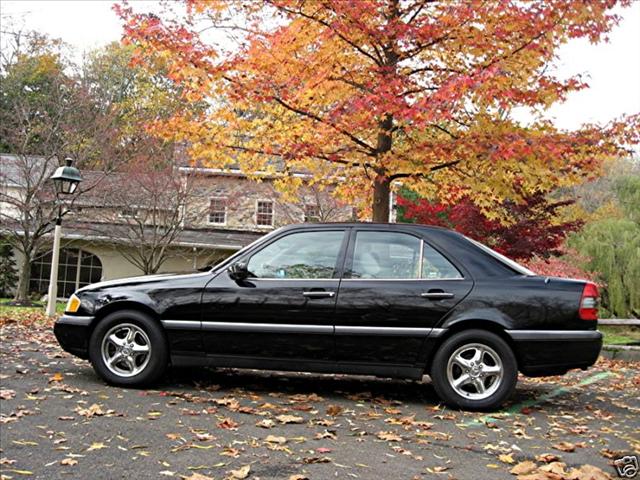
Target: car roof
<point x="389" y="226"/>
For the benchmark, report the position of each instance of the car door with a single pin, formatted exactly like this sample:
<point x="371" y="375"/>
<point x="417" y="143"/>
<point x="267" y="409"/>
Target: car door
<point x="284" y="309"/>
<point x="395" y="289"/>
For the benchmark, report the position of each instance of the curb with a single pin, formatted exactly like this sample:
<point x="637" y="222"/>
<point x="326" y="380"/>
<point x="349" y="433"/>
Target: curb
<point x="621" y="352"/>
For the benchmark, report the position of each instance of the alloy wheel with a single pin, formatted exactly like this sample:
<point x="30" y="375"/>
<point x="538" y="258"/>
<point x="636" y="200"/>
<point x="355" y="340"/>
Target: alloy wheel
<point x="475" y="371"/>
<point x="126" y="350"/>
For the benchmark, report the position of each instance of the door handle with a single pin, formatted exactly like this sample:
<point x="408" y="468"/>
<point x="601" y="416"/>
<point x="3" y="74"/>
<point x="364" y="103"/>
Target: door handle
<point x="436" y="295"/>
<point x="318" y="294"/>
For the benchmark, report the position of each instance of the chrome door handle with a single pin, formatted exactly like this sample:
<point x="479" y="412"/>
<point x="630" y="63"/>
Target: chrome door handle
<point x="318" y="294"/>
<point x="436" y="295"/>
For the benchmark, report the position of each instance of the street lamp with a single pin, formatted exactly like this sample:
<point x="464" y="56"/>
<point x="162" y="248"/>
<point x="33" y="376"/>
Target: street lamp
<point x="66" y="180"/>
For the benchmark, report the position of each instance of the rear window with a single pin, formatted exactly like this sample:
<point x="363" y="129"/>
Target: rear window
<point x="502" y="259"/>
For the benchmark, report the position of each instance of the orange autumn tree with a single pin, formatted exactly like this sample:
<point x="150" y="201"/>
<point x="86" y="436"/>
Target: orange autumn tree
<point x="363" y="93"/>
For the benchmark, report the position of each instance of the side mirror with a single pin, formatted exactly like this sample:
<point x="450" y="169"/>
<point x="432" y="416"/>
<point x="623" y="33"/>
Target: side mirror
<point x="238" y="271"/>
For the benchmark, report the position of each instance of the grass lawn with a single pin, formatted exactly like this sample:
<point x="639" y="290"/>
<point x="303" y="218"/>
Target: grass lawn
<point x="622" y="335"/>
<point x="9" y="311"/>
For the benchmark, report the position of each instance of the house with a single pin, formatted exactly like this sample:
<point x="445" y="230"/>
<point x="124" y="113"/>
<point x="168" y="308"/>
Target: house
<point x="193" y="217"/>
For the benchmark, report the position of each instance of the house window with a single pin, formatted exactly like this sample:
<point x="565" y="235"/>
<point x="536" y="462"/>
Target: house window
<point x="128" y="212"/>
<point x="311" y="213"/>
<point x="264" y="213"/>
<point x="218" y="211"/>
<point x="76" y="269"/>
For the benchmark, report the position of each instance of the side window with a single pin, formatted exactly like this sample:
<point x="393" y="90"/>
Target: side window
<point x="299" y="255"/>
<point x="386" y="255"/>
<point x="435" y="266"/>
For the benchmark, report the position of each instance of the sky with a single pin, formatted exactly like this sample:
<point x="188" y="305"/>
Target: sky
<point x="611" y="69"/>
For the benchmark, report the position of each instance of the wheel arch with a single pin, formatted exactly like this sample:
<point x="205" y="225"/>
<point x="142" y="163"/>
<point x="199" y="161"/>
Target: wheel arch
<point x="493" y="325"/>
<point x="126" y="305"/>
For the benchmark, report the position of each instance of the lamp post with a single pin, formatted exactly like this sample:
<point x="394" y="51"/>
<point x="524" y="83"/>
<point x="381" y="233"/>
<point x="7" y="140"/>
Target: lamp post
<point x="66" y="180"/>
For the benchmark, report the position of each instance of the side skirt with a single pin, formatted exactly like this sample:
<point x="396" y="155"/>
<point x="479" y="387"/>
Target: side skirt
<point x="259" y="363"/>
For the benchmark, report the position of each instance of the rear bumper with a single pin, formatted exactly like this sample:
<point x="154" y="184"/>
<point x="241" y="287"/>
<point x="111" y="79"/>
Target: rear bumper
<point x="72" y="333"/>
<point x="553" y="352"/>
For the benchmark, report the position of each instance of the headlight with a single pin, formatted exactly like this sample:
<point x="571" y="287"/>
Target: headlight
<point x="73" y="304"/>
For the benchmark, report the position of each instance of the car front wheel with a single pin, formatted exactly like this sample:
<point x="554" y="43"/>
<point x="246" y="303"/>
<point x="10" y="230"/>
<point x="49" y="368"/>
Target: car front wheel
<point x="128" y="348"/>
<point x="475" y="370"/>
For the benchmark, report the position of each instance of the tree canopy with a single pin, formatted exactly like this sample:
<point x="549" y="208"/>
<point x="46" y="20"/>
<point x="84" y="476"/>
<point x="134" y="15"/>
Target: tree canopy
<point x="534" y="227"/>
<point x="365" y="93"/>
<point x="612" y="248"/>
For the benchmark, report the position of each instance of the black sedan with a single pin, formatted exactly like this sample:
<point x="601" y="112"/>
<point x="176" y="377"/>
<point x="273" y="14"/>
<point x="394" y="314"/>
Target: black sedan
<point x="392" y="300"/>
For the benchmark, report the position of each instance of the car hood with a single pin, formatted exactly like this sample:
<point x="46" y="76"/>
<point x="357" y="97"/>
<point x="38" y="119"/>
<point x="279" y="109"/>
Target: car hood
<point x="141" y="280"/>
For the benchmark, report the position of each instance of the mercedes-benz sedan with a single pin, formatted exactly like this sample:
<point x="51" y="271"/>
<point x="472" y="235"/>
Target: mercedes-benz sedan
<point x="393" y="300"/>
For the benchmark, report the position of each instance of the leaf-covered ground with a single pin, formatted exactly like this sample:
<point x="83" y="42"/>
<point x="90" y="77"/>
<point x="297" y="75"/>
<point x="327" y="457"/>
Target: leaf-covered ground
<point x="58" y="420"/>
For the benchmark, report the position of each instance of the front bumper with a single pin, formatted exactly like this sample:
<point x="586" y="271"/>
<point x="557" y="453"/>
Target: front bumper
<point x="553" y="352"/>
<point x="72" y="333"/>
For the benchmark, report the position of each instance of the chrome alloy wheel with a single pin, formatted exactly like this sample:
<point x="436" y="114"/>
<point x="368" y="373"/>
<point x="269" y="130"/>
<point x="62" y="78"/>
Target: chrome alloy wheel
<point x="475" y="371"/>
<point x="126" y="350"/>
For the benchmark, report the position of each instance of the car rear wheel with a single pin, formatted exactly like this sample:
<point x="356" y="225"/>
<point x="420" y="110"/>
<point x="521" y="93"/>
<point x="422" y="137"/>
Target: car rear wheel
<point x="128" y="348"/>
<point x="474" y="370"/>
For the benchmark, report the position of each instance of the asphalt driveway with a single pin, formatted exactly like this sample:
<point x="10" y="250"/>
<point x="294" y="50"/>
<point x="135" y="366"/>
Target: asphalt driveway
<point x="58" y="420"/>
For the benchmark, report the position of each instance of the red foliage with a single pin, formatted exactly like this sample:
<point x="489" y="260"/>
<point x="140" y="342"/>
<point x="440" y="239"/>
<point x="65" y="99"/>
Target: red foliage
<point x="533" y="229"/>
<point x="565" y="266"/>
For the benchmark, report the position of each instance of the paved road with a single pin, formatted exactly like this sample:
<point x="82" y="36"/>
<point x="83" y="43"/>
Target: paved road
<point x="58" y="420"/>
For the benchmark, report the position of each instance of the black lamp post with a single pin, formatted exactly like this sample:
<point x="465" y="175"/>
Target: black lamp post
<point x="66" y="180"/>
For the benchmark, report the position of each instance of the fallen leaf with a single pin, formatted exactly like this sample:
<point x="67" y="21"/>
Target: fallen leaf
<point x="587" y="472"/>
<point x="241" y="473"/>
<point x="19" y="472"/>
<point x="93" y="410"/>
<point x="96" y="446"/>
<point x="68" y="461"/>
<point x="506" y="458"/>
<point x="298" y="476"/>
<point x="316" y="460"/>
<point x="523" y="468"/>
<point x="554" y="467"/>
<point x="230" y="452"/>
<point x="228" y="424"/>
<point x="547" y="457"/>
<point x="6" y="394"/>
<point x="565" y="446"/>
<point x="289" y="419"/>
<point x="389" y="436"/>
<point x="197" y="476"/>
<point x="266" y="423"/>
<point x="334" y="410"/>
<point x="274" y="439"/>
<point x="25" y="443"/>
<point x="437" y="469"/>
<point x="326" y="434"/>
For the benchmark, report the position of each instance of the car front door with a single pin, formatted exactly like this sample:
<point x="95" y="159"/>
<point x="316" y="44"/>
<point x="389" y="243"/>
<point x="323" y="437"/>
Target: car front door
<point x="284" y="309"/>
<point x="395" y="289"/>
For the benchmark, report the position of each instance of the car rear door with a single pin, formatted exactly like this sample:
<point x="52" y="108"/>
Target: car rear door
<point x="285" y="309"/>
<point x="395" y="289"/>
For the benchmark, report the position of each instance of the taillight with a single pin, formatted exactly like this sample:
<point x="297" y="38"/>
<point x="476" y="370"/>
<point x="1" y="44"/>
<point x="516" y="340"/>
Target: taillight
<point x="589" y="302"/>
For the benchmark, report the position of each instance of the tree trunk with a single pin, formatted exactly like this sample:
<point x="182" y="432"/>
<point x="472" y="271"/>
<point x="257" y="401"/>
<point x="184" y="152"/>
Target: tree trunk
<point x="22" y="291"/>
<point x="382" y="183"/>
<point x="381" y="193"/>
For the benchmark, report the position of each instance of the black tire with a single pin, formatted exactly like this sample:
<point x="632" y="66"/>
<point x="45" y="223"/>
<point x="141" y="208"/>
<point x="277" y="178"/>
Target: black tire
<point x="158" y="355"/>
<point x="497" y="390"/>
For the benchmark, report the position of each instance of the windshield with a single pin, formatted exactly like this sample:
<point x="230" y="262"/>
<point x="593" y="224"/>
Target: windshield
<point x="501" y="258"/>
<point x="239" y="253"/>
